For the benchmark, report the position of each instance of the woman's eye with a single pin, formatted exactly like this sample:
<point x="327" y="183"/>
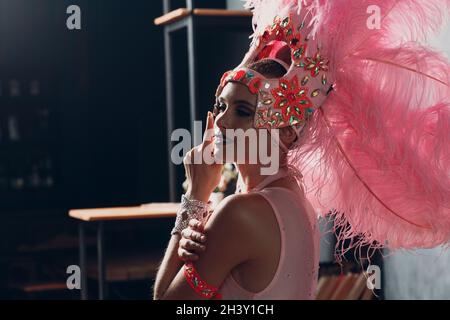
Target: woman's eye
<point x="242" y="112"/>
<point x="239" y="111"/>
<point x="219" y="107"/>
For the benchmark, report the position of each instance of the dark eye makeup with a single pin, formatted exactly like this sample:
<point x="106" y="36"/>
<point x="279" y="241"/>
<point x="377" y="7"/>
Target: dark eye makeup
<point x="241" y="110"/>
<point x="218" y="108"/>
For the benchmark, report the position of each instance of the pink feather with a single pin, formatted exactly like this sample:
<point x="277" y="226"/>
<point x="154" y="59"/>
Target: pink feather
<point x="377" y="153"/>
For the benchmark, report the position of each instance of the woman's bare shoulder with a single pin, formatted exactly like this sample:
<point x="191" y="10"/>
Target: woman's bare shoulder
<point x="246" y="205"/>
<point x="250" y="213"/>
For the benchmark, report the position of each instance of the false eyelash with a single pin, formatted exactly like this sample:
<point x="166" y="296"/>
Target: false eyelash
<point x="215" y="110"/>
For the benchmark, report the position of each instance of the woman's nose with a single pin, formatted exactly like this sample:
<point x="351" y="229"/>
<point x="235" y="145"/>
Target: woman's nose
<point x="222" y="120"/>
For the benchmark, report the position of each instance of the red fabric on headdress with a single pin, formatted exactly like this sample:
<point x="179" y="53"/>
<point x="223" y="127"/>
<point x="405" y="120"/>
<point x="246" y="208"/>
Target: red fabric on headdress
<point x="275" y="49"/>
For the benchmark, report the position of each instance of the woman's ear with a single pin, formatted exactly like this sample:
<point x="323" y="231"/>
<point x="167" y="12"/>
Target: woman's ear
<point x="288" y="135"/>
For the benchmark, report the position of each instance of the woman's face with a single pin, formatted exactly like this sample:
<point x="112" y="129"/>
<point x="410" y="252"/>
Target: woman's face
<point x="235" y="109"/>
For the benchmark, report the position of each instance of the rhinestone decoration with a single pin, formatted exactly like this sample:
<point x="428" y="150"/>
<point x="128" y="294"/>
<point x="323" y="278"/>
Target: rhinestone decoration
<point x="289" y="96"/>
<point x="315" y="93"/>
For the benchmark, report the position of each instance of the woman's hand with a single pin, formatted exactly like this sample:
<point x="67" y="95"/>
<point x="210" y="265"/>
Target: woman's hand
<point x="192" y="241"/>
<point x="202" y="177"/>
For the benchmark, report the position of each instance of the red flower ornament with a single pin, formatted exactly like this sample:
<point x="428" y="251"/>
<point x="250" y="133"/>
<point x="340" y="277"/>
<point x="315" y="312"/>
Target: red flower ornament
<point x="316" y="64"/>
<point x="298" y="48"/>
<point x="245" y="77"/>
<point x="276" y="29"/>
<point x="224" y="78"/>
<point x="238" y="75"/>
<point x="291" y="99"/>
<point x="254" y="85"/>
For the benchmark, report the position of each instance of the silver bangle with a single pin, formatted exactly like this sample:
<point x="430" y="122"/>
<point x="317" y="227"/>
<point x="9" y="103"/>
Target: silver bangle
<point x="190" y="209"/>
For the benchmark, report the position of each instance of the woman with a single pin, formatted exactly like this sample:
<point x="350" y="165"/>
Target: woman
<point x="364" y="108"/>
<point x="262" y="242"/>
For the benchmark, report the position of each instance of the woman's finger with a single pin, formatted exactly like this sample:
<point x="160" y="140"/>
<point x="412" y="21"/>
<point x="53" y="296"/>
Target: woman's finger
<point x="209" y="132"/>
<point x="191" y="234"/>
<point x="188" y="158"/>
<point x="196" y="225"/>
<point x="186" y="233"/>
<point x="186" y="256"/>
<point x="191" y="246"/>
<point x="197" y="236"/>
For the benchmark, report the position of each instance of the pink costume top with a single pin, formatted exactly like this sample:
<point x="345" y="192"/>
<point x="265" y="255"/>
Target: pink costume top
<point x="297" y="271"/>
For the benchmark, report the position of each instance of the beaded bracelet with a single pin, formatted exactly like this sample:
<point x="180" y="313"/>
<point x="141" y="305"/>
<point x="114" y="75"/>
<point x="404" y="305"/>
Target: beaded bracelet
<point x="200" y="286"/>
<point x="190" y="209"/>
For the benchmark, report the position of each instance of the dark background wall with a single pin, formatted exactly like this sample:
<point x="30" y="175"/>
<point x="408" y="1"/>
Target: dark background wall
<point x="121" y="62"/>
<point x="103" y="89"/>
<point x="106" y="87"/>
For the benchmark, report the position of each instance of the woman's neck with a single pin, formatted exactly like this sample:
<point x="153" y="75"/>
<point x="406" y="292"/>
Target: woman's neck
<point x="251" y="174"/>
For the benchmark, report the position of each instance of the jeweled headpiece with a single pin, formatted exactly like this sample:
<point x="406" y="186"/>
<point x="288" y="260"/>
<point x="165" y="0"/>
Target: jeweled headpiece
<point x="291" y="99"/>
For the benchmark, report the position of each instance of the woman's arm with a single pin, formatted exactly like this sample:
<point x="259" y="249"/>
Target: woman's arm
<point x="202" y="179"/>
<point x="230" y="243"/>
<point x="168" y="268"/>
<point x="171" y="262"/>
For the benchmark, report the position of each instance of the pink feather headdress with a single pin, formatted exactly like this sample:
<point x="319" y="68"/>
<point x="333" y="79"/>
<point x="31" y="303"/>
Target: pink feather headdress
<point x="376" y="153"/>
